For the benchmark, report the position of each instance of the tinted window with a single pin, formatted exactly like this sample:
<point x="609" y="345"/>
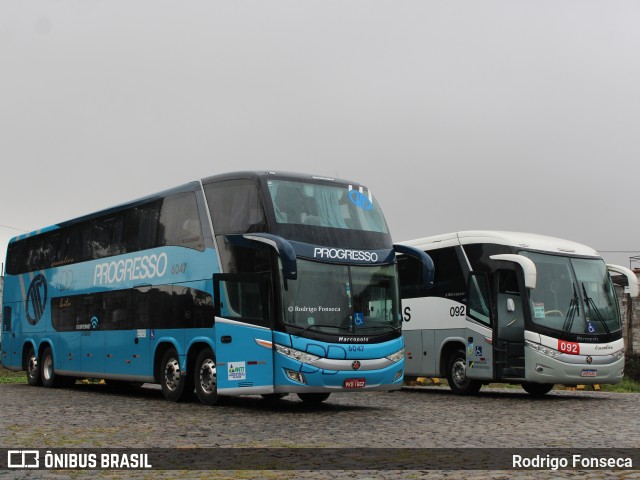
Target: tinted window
<point x="173" y="220"/>
<point x="162" y="306"/>
<point x="449" y="281"/>
<point x="235" y="207"/>
<point x="179" y="222"/>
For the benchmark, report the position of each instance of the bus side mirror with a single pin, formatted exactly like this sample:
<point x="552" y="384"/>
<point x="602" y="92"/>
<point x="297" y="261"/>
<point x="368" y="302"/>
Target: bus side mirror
<point x="631" y="278"/>
<point x="428" y="269"/>
<point x="283" y="247"/>
<point x="528" y="267"/>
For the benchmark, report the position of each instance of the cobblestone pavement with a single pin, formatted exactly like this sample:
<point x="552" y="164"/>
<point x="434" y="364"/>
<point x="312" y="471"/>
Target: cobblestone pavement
<point x="425" y="417"/>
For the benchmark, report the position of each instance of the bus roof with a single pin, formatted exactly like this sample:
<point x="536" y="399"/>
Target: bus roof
<point x="182" y="188"/>
<point x="529" y="241"/>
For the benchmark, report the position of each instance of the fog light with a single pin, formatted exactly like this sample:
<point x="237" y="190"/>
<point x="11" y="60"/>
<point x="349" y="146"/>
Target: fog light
<point x="539" y="369"/>
<point x="398" y="375"/>
<point x="296" y="376"/>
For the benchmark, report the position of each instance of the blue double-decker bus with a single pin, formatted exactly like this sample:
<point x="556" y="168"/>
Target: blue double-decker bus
<point x="251" y="283"/>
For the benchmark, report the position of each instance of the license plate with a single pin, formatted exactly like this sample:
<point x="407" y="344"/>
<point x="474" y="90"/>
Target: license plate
<point x="589" y="373"/>
<point x="354" y="383"/>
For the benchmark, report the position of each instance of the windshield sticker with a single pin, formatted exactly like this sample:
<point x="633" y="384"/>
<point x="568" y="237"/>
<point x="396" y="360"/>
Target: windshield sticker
<point x="538" y="310"/>
<point x="237" y="371"/>
<point x="359" y="199"/>
<point x="319" y="308"/>
<point x="591" y="328"/>
<point x="358" y="319"/>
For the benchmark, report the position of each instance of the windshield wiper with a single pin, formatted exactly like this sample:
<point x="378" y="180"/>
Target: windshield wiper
<point x="592" y="305"/>
<point x="318" y="326"/>
<point x="574" y="307"/>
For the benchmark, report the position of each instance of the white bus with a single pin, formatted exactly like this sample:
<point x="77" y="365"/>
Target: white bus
<point x="512" y="308"/>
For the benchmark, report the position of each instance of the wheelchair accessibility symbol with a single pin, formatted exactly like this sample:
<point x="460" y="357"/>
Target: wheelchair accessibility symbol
<point x="358" y="319"/>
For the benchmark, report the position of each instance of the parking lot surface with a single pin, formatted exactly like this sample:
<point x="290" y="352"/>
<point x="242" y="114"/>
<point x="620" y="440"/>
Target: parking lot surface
<point x="92" y="416"/>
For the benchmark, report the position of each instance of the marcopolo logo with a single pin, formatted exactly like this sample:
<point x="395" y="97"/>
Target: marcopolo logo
<point x="344" y="254"/>
<point x="138" y="268"/>
<point x="36" y="299"/>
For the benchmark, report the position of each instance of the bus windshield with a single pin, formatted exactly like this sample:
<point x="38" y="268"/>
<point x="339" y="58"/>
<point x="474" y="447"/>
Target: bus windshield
<point x="340" y="299"/>
<point x="318" y="204"/>
<point x="573" y="295"/>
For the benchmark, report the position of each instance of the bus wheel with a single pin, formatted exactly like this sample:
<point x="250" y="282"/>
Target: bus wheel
<point x="313" y="397"/>
<point x="49" y="377"/>
<point x="537" y="389"/>
<point x="459" y="383"/>
<point x="33" y="368"/>
<point x="175" y="386"/>
<point x="206" y="377"/>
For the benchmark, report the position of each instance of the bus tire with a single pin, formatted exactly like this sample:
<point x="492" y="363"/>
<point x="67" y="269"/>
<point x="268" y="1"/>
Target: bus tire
<point x="175" y="386"/>
<point x="205" y="376"/>
<point x="50" y="378"/>
<point x="313" y="397"/>
<point x="537" y="389"/>
<point x="459" y="383"/>
<point x="34" y="375"/>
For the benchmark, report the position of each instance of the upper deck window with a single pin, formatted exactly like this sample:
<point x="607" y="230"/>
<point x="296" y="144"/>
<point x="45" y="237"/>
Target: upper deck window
<point x="333" y="206"/>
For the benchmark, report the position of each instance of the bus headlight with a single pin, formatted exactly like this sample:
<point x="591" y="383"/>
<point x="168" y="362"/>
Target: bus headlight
<point x="396" y="357"/>
<point x="549" y="352"/>
<point x="303" y="357"/>
<point x="618" y="355"/>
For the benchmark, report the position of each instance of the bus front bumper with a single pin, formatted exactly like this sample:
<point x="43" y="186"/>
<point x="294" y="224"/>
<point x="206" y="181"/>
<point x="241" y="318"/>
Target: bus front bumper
<point x="572" y="369"/>
<point x="292" y="376"/>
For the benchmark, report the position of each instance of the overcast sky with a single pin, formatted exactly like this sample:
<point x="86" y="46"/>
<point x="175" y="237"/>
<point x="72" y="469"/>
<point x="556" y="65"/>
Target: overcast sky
<point x="471" y="114"/>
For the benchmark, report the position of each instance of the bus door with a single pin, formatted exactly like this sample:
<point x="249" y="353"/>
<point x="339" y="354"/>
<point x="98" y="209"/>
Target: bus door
<point x="9" y="327"/>
<point x="479" y="335"/>
<point x="509" y="329"/>
<point x="243" y="335"/>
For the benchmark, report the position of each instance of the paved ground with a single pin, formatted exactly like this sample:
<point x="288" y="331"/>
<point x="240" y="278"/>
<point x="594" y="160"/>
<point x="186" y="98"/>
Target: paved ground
<point x="92" y="416"/>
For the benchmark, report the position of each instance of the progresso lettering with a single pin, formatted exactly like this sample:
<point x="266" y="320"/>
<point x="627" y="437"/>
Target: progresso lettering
<point x="343" y="254"/>
<point x="138" y="268"/>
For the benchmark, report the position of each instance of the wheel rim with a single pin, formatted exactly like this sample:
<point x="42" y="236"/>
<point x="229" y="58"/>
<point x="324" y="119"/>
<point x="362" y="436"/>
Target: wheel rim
<point x="458" y="372"/>
<point x="207" y="375"/>
<point x="47" y="367"/>
<point x="32" y="366"/>
<point x="172" y="374"/>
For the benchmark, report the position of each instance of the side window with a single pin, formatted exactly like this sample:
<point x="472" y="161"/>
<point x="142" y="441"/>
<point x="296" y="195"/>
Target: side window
<point x="179" y="222"/>
<point x="117" y="310"/>
<point x="449" y="280"/>
<point x="410" y="274"/>
<point x="141" y="226"/>
<point x="107" y="236"/>
<point x="64" y="313"/>
<point x="479" y="306"/>
<point x="6" y="319"/>
<point x="242" y="297"/>
<point x="235" y="207"/>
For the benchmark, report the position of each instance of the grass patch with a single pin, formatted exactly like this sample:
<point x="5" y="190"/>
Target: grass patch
<point x="627" y="385"/>
<point x="7" y="376"/>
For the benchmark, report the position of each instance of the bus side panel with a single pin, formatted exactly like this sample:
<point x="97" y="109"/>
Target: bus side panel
<point x="420" y="355"/>
<point x="69" y="356"/>
<point x="12" y="339"/>
<point x="479" y="352"/>
<point x="244" y="366"/>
